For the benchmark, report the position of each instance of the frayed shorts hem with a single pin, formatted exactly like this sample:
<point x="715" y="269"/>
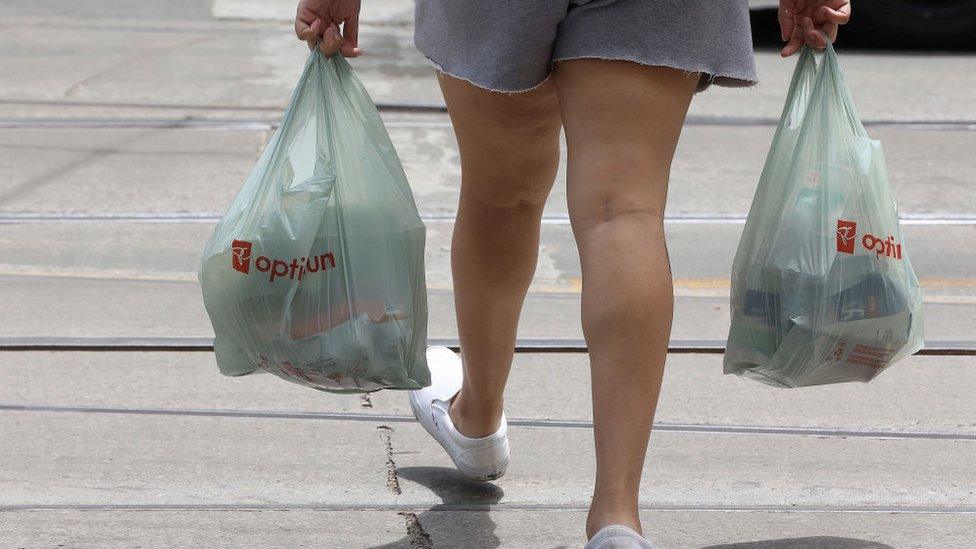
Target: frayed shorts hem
<point x="483" y="85"/>
<point x="511" y="47"/>
<point x="707" y="79"/>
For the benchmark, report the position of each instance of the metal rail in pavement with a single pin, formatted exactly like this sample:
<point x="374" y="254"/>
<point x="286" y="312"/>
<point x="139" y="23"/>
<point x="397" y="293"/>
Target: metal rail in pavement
<point x="205" y="344"/>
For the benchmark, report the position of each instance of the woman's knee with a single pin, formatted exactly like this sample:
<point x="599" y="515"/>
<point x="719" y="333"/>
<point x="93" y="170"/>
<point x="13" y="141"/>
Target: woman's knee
<point x="602" y="191"/>
<point x="606" y="209"/>
<point x="622" y="124"/>
<point x="510" y="178"/>
<point x="509" y="143"/>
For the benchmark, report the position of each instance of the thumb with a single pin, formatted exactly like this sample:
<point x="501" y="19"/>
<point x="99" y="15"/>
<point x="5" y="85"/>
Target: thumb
<point x="787" y="20"/>
<point x="350" y="36"/>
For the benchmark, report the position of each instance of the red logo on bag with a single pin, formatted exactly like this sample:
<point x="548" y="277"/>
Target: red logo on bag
<point x="846" y="236"/>
<point x="887" y="247"/>
<point x="847" y="241"/>
<point x="240" y="258"/>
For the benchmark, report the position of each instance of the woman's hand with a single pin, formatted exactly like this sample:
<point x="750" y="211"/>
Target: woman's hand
<point x="807" y="21"/>
<point x="317" y="23"/>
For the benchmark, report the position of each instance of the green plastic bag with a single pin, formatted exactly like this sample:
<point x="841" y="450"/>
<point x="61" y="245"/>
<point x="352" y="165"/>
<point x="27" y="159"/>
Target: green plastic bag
<point x="316" y="272"/>
<point x="822" y="288"/>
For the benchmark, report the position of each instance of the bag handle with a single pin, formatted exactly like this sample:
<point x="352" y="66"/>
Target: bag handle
<point x="810" y="75"/>
<point x="800" y="90"/>
<point x="831" y="70"/>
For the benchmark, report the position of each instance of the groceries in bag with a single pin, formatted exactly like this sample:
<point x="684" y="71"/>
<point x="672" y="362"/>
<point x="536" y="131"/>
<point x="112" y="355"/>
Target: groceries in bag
<point x="822" y="287"/>
<point x="316" y="272"/>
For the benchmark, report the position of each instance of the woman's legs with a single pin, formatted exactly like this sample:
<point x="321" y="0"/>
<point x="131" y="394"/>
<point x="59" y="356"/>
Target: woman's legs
<point x="622" y="123"/>
<point x="509" y="145"/>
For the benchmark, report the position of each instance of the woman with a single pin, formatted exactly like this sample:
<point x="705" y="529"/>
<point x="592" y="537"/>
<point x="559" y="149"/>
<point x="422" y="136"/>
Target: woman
<point x="617" y="76"/>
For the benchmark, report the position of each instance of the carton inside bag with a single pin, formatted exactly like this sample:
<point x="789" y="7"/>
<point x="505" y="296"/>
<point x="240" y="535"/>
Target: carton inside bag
<point x="317" y="322"/>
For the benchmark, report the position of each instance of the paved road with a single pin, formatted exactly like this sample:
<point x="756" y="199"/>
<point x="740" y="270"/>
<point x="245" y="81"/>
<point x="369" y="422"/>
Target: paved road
<point x="123" y="136"/>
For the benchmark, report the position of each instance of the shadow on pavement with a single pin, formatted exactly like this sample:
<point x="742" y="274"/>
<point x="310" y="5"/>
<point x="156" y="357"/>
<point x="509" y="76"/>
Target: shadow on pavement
<point x="814" y="542"/>
<point x="474" y="529"/>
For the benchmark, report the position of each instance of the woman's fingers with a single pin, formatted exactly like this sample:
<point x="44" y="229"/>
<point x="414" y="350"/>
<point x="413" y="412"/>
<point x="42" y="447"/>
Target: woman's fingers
<point x="829" y="18"/>
<point x="304" y="19"/>
<point x="800" y="30"/>
<point x="301" y="28"/>
<point x="813" y="36"/>
<point x="308" y="25"/>
<point x="795" y="43"/>
<point x="831" y="30"/>
<point x="841" y="6"/>
<point x="829" y="15"/>
<point x="817" y="36"/>
<point x="319" y="30"/>
<point x="310" y="33"/>
<point x="331" y="40"/>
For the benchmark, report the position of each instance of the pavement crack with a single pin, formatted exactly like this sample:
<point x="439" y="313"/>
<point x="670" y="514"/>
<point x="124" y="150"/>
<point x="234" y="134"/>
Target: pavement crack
<point x="418" y="537"/>
<point x="392" y="481"/>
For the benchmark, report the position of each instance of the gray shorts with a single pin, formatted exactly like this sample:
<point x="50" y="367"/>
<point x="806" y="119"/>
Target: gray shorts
<point x="511" y="45"/>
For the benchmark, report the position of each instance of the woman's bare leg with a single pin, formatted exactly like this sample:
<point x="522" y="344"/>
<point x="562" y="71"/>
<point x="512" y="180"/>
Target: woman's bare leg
<point x="622" y="123"/>
<point x="509" y="145"/>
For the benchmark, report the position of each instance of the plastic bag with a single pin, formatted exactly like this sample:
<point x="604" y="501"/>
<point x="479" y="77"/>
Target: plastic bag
<point x="822" y="288"/>
<point x="316" y="272"/>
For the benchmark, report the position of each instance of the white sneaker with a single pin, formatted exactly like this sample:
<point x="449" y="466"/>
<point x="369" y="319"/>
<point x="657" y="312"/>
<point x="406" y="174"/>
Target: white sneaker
<point x="484" y="458"/>
<point x="618" y="536"/>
